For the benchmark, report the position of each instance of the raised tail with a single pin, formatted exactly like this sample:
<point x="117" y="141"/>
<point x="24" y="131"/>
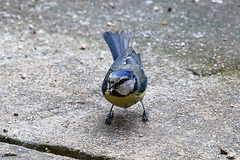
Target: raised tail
<point x="117" y="42"/>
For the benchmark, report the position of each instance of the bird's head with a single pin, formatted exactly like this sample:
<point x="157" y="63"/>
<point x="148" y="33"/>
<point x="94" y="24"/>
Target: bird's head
<point x="122" y="82"/>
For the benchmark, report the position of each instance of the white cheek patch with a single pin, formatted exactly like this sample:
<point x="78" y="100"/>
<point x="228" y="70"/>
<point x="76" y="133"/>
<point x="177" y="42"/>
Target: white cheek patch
<point x="113" y="77"/>
<point x="126" y="88"/>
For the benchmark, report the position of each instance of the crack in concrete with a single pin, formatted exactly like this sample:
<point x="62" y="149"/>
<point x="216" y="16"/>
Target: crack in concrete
<point x="54" y="149"/>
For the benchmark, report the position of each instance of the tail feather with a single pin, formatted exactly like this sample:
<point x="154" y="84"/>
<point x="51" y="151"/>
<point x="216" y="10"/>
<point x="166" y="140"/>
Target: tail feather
<point x="107" y="37"/>
<point x="128" y="39"/>
<point x="121" y="38"/>
<point x="117" y="42"/>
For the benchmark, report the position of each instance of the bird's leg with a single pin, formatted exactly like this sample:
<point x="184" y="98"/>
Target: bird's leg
<point x="110" y="116"/>
<point x="145" y="115"/>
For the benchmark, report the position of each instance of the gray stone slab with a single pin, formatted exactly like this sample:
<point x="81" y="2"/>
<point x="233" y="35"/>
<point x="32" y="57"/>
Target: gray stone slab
<point x="14" y="152"/>
<point x="50" y="88"/>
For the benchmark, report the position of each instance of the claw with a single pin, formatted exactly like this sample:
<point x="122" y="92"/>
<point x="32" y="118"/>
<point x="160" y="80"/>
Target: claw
<point x="109" y="118"/>
<point x="145" y="117"/>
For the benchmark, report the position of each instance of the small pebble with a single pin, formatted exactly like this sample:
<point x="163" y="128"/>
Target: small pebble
<point x="164" y="23"/>
<point x="224" y="39"/>
<point x="23" y="75"/>
<point x="15" y="114"/>
<point x="147" y="34"/>
<point x="111" y="24"/>
<point x="140" y="135"/>
<point x="149" y="2"/>
<point x="101" y="57"/>
<point x="83" y="46"/>
<point x="155" y="8"/>
<point x="82" y="61"/>
<point x="111" y="5"/>
<point x="231" y="155"/>
<point x="224" y="152"/>
<point x="182" y="44"/>
<point x="190" y="99"/>
<point x="169" y="9"/>
<point x="217" y="1"/>
<point x="30" y="26"/>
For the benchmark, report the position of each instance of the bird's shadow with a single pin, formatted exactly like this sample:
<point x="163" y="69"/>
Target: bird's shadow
<point x="124" y="123"/>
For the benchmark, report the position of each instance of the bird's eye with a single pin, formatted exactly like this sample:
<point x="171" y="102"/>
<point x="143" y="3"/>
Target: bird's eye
<point x="123" y="80"/>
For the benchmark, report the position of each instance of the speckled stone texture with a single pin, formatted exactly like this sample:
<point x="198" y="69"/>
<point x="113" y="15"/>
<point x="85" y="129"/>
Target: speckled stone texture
<point x="50" y="86"/>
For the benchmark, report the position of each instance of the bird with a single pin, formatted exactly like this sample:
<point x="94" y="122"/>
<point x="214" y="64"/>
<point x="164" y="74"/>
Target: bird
<point x="125" y="82"/>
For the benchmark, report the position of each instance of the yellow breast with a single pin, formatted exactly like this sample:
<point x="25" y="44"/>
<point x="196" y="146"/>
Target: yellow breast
<point x="126" y="101"/>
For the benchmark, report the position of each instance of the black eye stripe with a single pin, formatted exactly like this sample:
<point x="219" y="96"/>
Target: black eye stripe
<point x="121" y="82"/>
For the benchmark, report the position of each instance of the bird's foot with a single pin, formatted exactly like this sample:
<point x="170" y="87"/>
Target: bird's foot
<point x="145" y="117"/>
<point x="109" y="118"/>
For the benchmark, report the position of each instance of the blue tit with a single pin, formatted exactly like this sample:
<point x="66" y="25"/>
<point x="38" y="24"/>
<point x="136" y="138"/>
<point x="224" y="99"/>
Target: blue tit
<point x="125" y="82"/>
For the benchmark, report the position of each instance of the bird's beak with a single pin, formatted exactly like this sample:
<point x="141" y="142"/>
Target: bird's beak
<point x="111" y="86"/>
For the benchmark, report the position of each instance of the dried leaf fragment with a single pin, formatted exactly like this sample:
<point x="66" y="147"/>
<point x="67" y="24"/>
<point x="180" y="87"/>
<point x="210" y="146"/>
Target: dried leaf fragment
<point x="111" y="24"/>
<point x="164" y="23"/>
<point x="83" y="46"/>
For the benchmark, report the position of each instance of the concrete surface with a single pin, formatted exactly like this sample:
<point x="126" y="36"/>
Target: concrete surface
<point x="8" y="152"/>
<point x="50" y="88"/>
